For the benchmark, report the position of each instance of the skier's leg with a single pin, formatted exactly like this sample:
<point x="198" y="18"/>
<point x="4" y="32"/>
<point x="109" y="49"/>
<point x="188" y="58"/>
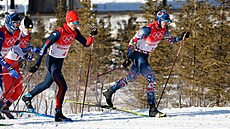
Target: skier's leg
<point x="133" y="73"/>
<point x="38" y="89"/>
<point x="8" y="84"/>
<point x="60" y="81"/>
<point x="11" y="98"/>
<point x="147" y="72"/>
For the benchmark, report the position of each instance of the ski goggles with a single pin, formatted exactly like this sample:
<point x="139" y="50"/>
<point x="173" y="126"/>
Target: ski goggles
<point x="168" y="20"/>
<point x="76" y="23"/>
<point x="17" y="22"/>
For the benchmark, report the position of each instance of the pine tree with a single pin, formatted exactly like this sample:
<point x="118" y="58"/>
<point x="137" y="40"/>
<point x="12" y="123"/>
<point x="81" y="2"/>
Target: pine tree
<point x="60" y="12"/>
<point x="199" y="69"/>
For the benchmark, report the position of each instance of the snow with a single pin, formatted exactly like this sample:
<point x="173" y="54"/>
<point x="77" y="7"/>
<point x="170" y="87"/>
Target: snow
<point x="180" y="118"/>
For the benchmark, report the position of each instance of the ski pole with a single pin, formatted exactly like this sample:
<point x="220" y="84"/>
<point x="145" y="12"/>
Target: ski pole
<point x="8" y="91"/>
<point x="11" y="86"/>
<point x="87" y="78"/>
<point x="20" y="82"/>
<point x="2" y="74"/>
<point x="178" y="52"/>
<point x="27" y="84"/>
<point x="108" y="72"/>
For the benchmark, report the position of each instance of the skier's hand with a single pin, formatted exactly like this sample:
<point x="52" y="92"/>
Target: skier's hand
<point x="126" y="63"/>
<point x="35" y="50"/>
<point x="25" y="56"/>
<point x="29" y="48"/>
<point x="13" y="73"/>
<point x="93" y="31"/>
<point x="33" y="69"/>
<point x="130" y="52"/>
<point x="185" y="35"/>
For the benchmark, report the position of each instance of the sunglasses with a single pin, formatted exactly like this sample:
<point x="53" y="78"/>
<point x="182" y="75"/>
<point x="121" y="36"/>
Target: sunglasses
<point x="29" y="28"/>
<point x="76" y="23"/>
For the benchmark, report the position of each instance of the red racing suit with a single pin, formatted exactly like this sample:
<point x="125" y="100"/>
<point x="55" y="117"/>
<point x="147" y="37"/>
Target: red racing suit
<point x="14" y="85"/>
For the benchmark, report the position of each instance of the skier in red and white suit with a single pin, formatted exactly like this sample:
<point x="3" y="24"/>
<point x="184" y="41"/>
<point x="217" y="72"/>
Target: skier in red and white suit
<point x="9" y="35"/>
<point x="140" y="46"/>
<point x="59" y="43"/>
<point x="12" y="86"/>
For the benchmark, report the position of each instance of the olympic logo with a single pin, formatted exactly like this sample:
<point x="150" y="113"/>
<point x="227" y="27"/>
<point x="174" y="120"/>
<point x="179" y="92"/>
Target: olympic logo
<point x="11" y="41"/>
<point x="24" y="42"/>
<point x="158" y="35"/>
<point x="68" y="39"/>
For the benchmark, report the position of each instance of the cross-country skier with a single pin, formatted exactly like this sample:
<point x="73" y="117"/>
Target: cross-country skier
<point x="9" y="34"/>
<point x="140" y="46"/>
<point x="12" y="86"/>
<point x="59" y="43"/>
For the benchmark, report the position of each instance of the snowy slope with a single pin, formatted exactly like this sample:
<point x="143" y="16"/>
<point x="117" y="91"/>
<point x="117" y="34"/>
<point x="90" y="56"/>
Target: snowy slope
<point x="185" y="118"/>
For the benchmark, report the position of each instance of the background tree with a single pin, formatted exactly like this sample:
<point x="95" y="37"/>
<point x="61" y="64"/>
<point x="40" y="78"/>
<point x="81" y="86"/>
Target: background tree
<point x="60" y="12"/>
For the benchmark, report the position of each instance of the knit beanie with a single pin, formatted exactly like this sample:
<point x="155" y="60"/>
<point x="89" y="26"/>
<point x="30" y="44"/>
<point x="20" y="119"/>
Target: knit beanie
<point x="72" y="16"/>
<point x="28" y="22"/>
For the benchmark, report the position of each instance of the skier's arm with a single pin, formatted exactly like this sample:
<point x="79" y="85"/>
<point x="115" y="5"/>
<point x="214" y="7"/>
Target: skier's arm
<point x="2" y="60"/>
<point x="142" y="33"/>
<point x="82" y="39"/>
<point x="17" y="50"/>
<point x="171" y="39"/>
<point x="49" y="41"/>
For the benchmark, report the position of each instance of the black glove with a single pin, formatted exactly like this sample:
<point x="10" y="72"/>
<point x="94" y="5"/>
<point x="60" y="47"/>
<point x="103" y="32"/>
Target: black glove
<point x="33" y="69"/>
<point x="126" y="63"/>
<point x="93" y="31"/>
<point x="185" y="35"/>
<point x="26" y="56"/>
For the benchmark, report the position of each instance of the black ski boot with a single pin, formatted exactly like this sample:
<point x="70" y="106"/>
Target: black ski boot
<point x="60" y="117"/>
<point x="27" y="99"/>
<point x="6" y="109"/>
<point x="153" y="112"/>
<point x="108" y="95"/>
<point x="2" y="117"/>
<point x="1" y="104"/>
<point x="7" y="113"/>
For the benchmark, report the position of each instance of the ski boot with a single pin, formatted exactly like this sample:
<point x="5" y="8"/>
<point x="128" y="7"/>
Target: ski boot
<point x="1" y="104"/>
<point x="153" y="112"/>
<point x="27" y="99"/>
<point x="60" y="117"/>
<point x="108" y="95"/>
<point x="6" y="109"/>
<point x="7" y="113"/>
<point x="2" y="117"/>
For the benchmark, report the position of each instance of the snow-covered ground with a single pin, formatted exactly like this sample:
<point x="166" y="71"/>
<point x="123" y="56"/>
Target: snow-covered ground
<point x="184" y="118"/>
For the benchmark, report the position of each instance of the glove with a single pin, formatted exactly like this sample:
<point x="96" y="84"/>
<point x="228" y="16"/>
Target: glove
<point x="28" y="56"/>
<point x="33" y="69"/>
<point x="185" y="35"/>
<point x="25" y="56"/>
<point x="29" y="48"/>
<point x="130" y="52"/>
<point x="13" y="73"/>
<point x="126" y="63"/>
<point x="35" y="50"/>
<point x="93" y="31"/>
